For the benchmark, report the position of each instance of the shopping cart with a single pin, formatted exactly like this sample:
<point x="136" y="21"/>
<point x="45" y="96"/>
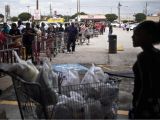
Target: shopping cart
<point x="98" y="100"/>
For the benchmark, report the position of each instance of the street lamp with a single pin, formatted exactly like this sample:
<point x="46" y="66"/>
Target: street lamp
<point x="119" y="11"/>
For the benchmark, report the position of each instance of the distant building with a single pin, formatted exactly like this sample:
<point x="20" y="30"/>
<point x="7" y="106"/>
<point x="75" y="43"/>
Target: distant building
<point x="154" y="17"/>
<point x="93" y="18"/>
<point x="128" y="18"/>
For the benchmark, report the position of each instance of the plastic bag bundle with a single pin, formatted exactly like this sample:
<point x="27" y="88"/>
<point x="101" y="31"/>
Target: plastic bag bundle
<point x="73" y="105"/>
<point x="48" y="81"/>
<point x="70" y="77"/>
<point x="25" y="69"/>
<point x="94" y="109"/>
<point x="90" y="76"/>
<point x="108" y="93"/>
<point x="95" y="74"/>
<point x="51" y="78"/>
<point x="76" y="96"/>
<point x="61" y="111"/>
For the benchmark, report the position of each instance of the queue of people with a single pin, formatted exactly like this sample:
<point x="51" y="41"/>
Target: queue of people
<point x="22" y="36"/>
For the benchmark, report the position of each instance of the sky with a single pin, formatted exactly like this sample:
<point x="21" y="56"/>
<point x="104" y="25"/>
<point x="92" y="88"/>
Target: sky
<point x="69" y="7"/>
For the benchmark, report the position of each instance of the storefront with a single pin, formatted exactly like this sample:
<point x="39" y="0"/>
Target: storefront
<point x="93" y="18"/>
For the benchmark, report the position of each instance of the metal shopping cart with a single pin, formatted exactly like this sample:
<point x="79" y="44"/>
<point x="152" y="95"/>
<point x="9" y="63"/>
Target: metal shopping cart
<point x="100" y="100"/>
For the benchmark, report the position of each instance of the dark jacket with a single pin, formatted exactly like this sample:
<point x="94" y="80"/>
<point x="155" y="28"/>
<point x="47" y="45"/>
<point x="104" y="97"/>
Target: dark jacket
<point x="147" y="79"/>
<point x="72" y="32"/>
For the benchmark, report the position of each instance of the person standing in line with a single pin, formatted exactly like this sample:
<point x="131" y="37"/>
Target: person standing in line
<point x="61" y="29"/>
<point x="110" y="29"/>
<point x="87" y="34"/>
<point x="3" y="35"/>
<point x="66" y="35"/>
<point x="28" y="37"/>
<point x="20" y="26"/>
<point x="72" y="34"/>
<point x="16" y="37"/>
<point x="146" y="96"/>
<point x="5" y="28"/>
<point x="82" y="31"/>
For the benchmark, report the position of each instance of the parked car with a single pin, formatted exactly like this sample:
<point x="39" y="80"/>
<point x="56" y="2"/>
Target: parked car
<point x="55" y="24"/>
<point x="115" y="24"/>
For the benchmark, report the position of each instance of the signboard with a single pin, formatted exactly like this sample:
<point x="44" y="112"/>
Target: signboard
<point x="51" y="20"/>
<point x="98" y="16"/>
<point x="37" y="15"/>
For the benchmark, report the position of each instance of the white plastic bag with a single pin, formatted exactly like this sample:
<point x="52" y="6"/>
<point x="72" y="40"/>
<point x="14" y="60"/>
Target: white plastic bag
<point x="25" y="69"/>
<point x="71" y="77"/>
<point x="90" y="76"/>
<point x="49" y="82"/>
<point x="76" y="96"/>
<point x="48" y="93"/>
<point x="101" y="76"/>
<point x="51" y="78"/>
<point x="95" y="74"/>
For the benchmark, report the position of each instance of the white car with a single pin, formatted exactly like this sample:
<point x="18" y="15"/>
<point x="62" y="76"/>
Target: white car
<point x="115" y="24"/>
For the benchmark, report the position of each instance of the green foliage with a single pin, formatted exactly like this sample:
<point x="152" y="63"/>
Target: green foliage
<point x="125" y="21"/>
<point x="76" y="14"/>
<point x="14" y="19"/>
<point x="24" y="16"/>
<point x="111" y="17"/>
<point x="139" y="17"/>
<point x="66" y="18"/>
<point x="1" y="16"/>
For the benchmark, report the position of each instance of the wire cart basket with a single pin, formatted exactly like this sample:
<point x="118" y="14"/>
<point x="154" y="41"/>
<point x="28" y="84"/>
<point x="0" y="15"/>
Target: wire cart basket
<point x="82" y="101"/>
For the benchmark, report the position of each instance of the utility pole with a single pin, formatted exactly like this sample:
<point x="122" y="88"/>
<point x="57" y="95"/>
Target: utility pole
<point x="37" y="6"/>
<point x="50" y="10"/>
<point x="119" y="12"/>
<point x="146" y="9"/>
<point x="77" y="9"/>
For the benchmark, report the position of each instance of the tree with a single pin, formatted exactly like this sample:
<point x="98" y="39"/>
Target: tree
<point x="24" y="16"/>
<point x="66" y="18"/>
<point x="140" y="17"/>
<point x="111" y="17"/>
<point x="1" y="16"/>
<point x="76" y="14"/>
<point x="14" y="18"/>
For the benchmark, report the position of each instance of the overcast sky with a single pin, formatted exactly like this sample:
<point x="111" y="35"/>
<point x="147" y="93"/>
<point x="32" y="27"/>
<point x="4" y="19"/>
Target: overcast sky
<point x="69" y="7"/>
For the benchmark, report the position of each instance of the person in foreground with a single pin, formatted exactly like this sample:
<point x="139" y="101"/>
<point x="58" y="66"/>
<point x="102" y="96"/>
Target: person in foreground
<point x="146" y="95"/>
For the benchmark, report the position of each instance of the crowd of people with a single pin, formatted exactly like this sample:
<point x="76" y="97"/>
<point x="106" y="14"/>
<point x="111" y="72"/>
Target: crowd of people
<point x="20" y="35"/>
